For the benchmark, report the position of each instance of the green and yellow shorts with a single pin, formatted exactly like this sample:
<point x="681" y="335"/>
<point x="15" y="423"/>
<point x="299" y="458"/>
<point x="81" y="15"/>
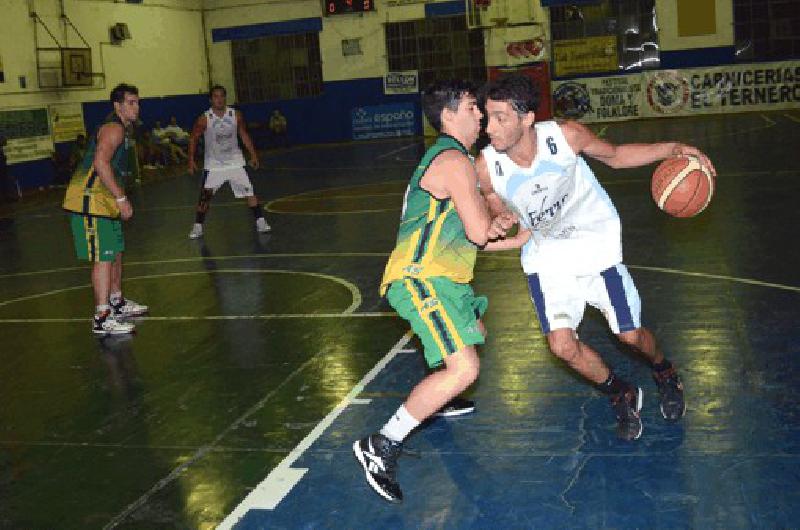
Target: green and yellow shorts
<point x="96" y="238"/>
<point x="442" y="313"/>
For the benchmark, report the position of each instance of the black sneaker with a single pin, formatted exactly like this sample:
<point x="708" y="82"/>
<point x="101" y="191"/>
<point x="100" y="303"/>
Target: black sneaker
<point x="627" y="406"/>
<point x="378" y="456"/>
<point x="457" y="406"/>
<point x="670" y="390"/>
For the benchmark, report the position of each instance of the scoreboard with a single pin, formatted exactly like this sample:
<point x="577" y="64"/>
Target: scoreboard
<point x="338" y="7"/>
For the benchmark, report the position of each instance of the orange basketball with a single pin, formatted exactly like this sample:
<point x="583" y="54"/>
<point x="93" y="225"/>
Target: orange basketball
<point x="682" y="186"/>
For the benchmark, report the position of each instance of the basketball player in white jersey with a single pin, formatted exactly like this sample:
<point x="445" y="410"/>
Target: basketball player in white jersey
<point x="574" y="254"/>
<point x="221" y="127"/>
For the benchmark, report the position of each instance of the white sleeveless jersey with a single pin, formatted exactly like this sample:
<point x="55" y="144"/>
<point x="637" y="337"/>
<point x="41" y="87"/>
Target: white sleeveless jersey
<point x="575" y="227"/>
<point x="221" y="141"/>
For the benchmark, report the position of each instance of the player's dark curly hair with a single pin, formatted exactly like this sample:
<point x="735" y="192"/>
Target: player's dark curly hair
<point x="119" y="91"/>
<point x="518" y="90"/>
<point x="441" y="95"/>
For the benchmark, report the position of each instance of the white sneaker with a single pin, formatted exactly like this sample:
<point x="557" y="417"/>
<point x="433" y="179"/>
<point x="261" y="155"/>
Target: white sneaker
<point x="106" y="324"/>
<point x="197" y="231"/>
<point x="261" y="225"/>
<point x="128" y="308"/>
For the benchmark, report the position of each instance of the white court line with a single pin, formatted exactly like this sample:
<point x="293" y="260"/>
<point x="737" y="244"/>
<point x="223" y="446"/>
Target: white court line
<point x="746" y="281"/>
<point x="203" y="451"/>
<point x="87" y="268"/>
<point x="189" y="318"/>
<point x="272" y="490"/>
<point x="793" y="118"/>
<point x="395" y="151"/>
<point x="768" y="119"/>
<point x="355" y="293"/>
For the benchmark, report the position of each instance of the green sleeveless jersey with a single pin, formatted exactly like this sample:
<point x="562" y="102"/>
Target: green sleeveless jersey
<point x="86" y="193"/>
<point x="431" y="241"/>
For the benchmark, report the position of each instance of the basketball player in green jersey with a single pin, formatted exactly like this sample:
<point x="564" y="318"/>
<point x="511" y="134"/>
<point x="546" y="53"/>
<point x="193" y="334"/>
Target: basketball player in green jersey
<point x="97" y="204"/>
<point x="426" y="280"/>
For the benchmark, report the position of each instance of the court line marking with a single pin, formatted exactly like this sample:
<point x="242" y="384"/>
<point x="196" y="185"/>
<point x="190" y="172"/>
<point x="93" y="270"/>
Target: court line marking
<point x="509" y="256"/>
<point x="87" y="268"/>
<point x="793" y="118"/>
<point x="767" y="119"/>
<point x="354" y="291"/>
<point x="398" y="150"/>
<point x="315" y="195"/>
<point x="735" y="279"/>
<point x="297" y="198"/>
<point x="204" y="450"/>
<point x="279" y="482"/>
<point x="189" y="318"/>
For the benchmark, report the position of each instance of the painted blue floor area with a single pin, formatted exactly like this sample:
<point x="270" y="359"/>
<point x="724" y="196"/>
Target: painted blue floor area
<point x="540" y="451"/>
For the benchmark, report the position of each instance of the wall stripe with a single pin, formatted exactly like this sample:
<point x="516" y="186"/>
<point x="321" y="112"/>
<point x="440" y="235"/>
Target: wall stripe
<point x="253" y="31"/>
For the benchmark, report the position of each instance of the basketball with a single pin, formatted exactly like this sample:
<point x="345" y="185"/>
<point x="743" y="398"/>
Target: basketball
<point x="682" y="186"/>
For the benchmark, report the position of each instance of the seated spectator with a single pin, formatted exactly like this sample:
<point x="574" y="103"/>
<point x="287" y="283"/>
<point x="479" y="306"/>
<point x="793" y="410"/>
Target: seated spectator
<point x="61" y="168"/>
<point x="163" y="137"/>
<point x="77" y="152"/>
<point x="176" y="133"/>
<point x="151" y="153"/>
<point x="278" y="128"/>
<point x="7" y="192"/>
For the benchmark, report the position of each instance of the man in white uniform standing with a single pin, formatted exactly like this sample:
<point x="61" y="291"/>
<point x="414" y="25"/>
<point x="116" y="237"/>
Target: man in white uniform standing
<point x="221" y="127"/>
<point x="574" y="254"/>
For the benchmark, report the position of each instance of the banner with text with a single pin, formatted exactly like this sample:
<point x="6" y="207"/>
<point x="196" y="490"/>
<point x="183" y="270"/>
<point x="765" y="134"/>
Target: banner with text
<point x="406" y="82"/>
<point x="28" y="134"/>
<point x="691" y="91"/>
<point x="383" y="121"/>
<point x="723" y="89"/>
<point x="66" y="120"/>
<point x="599" y="98"/>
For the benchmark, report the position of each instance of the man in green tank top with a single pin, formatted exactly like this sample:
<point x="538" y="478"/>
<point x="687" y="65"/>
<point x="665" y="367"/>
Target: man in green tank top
<point x="97" y="205"/>
<point x="426" y="280"/>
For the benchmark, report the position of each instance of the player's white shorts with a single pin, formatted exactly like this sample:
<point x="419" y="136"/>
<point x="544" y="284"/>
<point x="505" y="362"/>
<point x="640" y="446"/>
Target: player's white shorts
<point x="241" y="186"/>
<point x="560" y="299"/>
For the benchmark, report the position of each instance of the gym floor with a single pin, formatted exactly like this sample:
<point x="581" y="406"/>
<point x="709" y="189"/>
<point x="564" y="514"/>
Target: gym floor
<point x="265" y="356"/>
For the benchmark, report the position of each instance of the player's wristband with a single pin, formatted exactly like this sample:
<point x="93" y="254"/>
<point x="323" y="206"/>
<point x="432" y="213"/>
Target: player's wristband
<point x="121" y="199"/>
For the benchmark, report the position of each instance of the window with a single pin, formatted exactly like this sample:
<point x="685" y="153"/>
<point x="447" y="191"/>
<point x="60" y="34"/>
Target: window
<point x="608" y="36"/>
<point x="438" y="47"/>
<point x="277" y="67"/>
<point x="766" y="29"/>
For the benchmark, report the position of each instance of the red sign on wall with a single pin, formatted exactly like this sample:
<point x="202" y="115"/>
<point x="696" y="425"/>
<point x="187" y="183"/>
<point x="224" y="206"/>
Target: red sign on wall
<point x="540" y="75"/>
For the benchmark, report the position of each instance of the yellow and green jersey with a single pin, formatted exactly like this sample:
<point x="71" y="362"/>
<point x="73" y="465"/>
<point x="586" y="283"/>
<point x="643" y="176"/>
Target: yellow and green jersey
<point x="86" y="193"/>
<point x="431" y="241"/>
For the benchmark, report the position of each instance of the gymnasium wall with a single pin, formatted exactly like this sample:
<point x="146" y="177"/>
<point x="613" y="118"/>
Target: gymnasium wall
<point x="164" y="58"/>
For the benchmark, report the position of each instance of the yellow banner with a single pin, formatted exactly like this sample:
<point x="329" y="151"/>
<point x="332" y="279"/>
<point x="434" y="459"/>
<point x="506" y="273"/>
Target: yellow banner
<point x="66" y="121"/>
<point x="586" y="56"/>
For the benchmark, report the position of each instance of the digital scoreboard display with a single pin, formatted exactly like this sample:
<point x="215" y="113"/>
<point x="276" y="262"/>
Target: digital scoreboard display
<point x="340" y="7"/>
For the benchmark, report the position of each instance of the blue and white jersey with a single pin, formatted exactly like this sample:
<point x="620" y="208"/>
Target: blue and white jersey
<point x="222" y="141"/>
<point x="575" y="227"/>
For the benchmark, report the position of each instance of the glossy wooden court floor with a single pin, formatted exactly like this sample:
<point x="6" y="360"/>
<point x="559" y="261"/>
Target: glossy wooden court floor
<point x="264" y="357"/>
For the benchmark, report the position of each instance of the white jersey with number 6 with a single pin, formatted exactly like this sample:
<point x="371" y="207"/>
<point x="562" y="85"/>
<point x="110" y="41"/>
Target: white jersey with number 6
<point x="575" y="227"/>
<point x="222" y="141"/>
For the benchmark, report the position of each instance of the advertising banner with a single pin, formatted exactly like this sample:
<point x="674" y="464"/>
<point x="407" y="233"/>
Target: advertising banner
<point x="723" y="89"/>
<point x="406" y="82"/>
<point x="585" y="56"/>
<point x="383" y="121"/>
<point x="28" y="134"/>
<point x="66" y="121"/>
<point x="599" y="99"/>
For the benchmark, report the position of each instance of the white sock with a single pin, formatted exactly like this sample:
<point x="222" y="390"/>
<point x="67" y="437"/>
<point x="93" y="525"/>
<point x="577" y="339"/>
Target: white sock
<point x="399" y="425"/>
<point x="101" y="308"/>
<point x="115" y="298"/>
